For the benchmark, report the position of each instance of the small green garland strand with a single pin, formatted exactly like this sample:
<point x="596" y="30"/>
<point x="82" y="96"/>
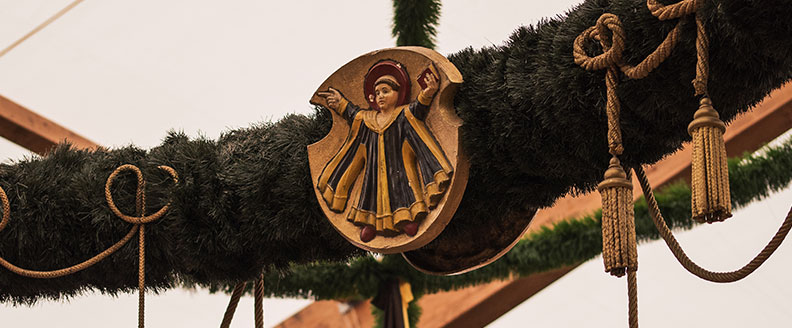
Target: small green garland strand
<point x="415" y="22"/>
<point x="413" y="314"/>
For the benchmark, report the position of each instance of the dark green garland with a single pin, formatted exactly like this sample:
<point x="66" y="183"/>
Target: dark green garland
<point x="569" y="242"/>
<point x="534" y="129"/>
<point x="415" y="22"/>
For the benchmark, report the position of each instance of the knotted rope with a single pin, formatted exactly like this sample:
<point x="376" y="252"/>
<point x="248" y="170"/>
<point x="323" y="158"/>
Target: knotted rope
<point x="618" y="225"/>
<point x="138" y="221"/>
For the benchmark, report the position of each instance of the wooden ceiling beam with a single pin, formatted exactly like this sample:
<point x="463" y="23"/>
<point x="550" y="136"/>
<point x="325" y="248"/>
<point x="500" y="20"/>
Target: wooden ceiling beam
<point x="33" y="131"/>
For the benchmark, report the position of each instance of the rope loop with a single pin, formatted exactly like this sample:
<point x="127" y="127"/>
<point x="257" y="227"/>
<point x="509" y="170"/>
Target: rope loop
<point x="677" y="10"/>
<point x="612" y="43"/>
<point x="140" y="194"/>
<point x="686" y="262"/>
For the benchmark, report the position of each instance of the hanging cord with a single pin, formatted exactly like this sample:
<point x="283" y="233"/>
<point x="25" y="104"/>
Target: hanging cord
<point x="239" y="289"/>
<point x="258" y="303"/>
<point x="619" y="250"/>
<point x="618" y="225"/>
<point x="632" y="298"/>
<point x="258" y="306"/>
<point x="40" y="27"/>
<point x="687" y="263"/>
<point x="139" y="222"/>
<point x="87" y="263"/>
<point x="711" y="199"/>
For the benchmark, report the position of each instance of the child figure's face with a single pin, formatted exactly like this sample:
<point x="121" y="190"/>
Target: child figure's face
<point x="385" y="96"/>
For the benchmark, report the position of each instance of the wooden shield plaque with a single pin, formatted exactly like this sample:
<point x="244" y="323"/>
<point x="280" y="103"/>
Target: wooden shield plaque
<point x="389" y="180"/>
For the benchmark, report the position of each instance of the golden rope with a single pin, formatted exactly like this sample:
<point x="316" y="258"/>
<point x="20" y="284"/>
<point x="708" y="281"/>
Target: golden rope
<point x="677" y="10"/>
<point x="258" y="305"/>
<point x="613" y="46"/>
<point x="632" y="297"/>
<point x="40" y="27"/>
<point x="141" y="274"/>
<point x="232" y="305"/>
<point x="618" y="225"/>
<point x="87" y="263"/>
<point x="140" y="221"/>
<point x="139" y="225"/>
<point x="691" y="266"/>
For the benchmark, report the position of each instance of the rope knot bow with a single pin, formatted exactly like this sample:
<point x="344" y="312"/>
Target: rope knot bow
<point x="612" y="44"/>
<point x="140" y="199"/>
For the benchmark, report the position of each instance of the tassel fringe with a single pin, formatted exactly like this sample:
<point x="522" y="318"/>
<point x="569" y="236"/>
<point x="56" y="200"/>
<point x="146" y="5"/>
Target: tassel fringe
<point x="619" y="251"/>
<point x="711" y="199"/>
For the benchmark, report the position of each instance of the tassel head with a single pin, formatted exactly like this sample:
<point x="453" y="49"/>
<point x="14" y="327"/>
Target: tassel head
<point x="711" y="199"/>
<point x="619" y="251"/>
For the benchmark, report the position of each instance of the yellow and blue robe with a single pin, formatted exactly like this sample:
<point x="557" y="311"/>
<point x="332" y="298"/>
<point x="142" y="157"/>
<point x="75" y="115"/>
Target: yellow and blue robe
<point x="405" y="172"/>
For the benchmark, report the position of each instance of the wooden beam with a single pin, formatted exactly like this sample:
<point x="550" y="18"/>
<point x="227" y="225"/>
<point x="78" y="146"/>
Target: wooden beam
<point x="327" y="314"/>
<point x="479" y="305"/>
<point x="475" y="306"/>
<point x="33" y="131"/>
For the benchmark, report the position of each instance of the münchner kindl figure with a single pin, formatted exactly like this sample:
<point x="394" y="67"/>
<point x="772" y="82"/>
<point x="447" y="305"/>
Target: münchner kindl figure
<point x="405" y="172"/>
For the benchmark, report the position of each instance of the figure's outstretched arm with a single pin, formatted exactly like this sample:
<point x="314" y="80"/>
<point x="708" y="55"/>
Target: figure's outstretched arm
<point x="337" y="102"/>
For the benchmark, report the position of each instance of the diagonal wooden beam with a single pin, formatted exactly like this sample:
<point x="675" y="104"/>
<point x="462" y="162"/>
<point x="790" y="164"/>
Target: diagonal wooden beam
<point x="479" y="305"/>
<point x="33" y="131"/>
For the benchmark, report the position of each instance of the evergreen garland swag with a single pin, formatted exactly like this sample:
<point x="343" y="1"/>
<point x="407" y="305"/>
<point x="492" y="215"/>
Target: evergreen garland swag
<point x="533" y="130"/>
<point x="569" y="242"/>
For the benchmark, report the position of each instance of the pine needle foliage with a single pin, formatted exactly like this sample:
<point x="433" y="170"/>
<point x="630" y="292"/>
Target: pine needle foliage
<point x="415" y="22"/>
<point x="566" y="243"/>
<point x="534" y="130"/>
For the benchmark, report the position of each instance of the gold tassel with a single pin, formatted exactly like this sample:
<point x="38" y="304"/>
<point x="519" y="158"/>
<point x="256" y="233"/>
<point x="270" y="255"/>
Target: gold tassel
<point x="619" y="251"/>
<point x="710" y="201"/>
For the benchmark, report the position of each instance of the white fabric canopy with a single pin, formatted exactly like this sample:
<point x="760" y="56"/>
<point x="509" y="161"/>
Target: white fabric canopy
<point x="126" y="72"/>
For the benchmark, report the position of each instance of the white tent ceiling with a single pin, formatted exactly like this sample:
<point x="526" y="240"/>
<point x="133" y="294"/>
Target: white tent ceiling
<point x="126" y="72"/>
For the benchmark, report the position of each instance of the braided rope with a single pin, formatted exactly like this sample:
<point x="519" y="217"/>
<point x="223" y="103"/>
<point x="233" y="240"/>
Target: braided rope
<point x="677" y="10"/>
<point x="613" y="46"/>
<point x="72" y="269"/>
<point x="141" y="273"/>
<point x="232" y="304"/>
<point x="702" y="57"/>
<point x="691" y="266"/>
<point x="258" y="304"/>
<point x="632" y="296"/>
<point x="87" y="263"/>
<point x="141" y="197"/>
<point x="139" y="225"/>
<point x="140" y="221"/>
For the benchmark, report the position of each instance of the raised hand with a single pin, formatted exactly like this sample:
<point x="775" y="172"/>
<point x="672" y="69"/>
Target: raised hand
<point x="332" y="97"/>
<point x="431" y="85"/>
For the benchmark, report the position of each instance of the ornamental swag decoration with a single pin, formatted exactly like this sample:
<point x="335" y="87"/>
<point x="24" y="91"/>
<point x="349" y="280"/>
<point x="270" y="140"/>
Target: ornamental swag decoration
<point x="390" y="174"/>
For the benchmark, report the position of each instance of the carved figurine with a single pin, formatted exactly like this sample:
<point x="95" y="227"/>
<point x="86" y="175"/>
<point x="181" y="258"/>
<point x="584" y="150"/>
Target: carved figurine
<point x="404" y="170"/>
